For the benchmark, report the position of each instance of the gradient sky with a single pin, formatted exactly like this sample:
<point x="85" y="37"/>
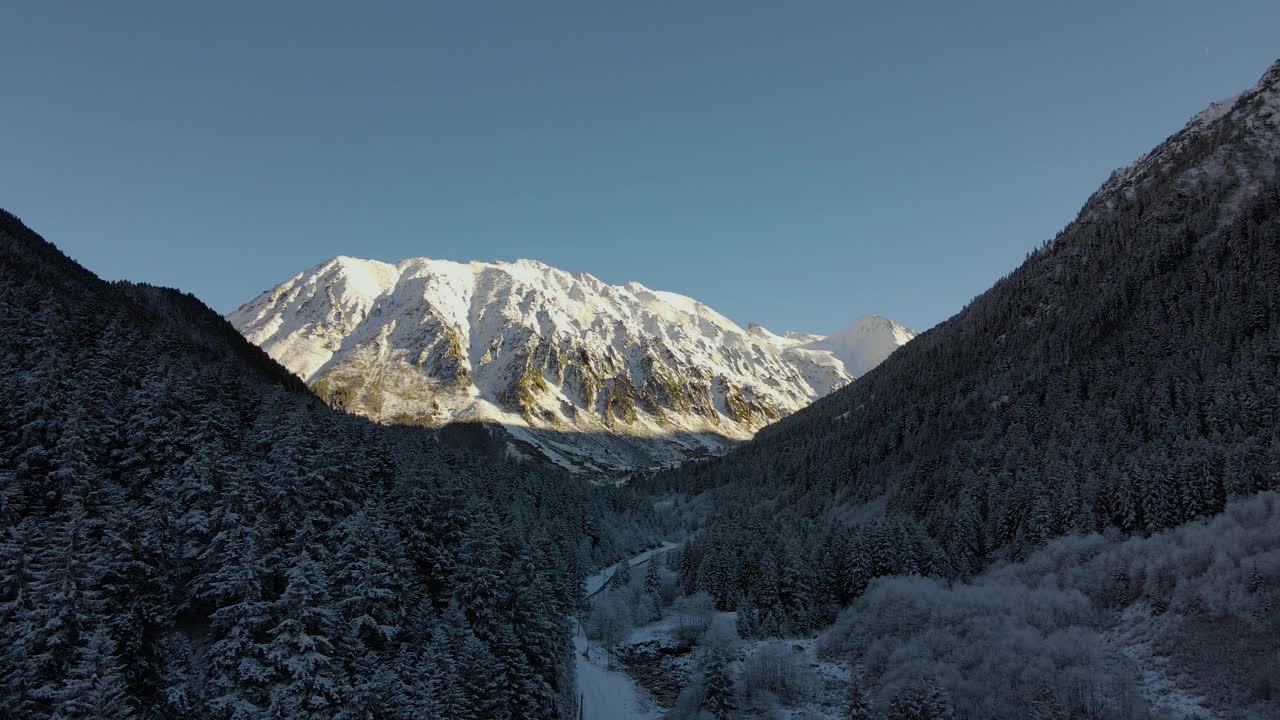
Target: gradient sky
<point x="793" y="163"/>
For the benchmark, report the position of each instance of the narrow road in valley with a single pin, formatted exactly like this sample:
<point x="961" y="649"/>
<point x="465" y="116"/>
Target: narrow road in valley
<point x="606" y="694"/>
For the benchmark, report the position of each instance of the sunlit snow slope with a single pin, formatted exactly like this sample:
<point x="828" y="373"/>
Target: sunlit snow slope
<point x="593" y="376"/>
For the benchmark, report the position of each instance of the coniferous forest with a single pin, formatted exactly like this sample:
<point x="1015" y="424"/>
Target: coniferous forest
<point x="187" y="533"/>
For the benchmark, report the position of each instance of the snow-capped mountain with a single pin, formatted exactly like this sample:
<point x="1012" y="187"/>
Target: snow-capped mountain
<point x="592" y="376"/>
<point x="864" y="344"/>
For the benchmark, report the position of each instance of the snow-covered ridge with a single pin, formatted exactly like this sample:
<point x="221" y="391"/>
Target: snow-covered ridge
<point x="595" y="376"/>
<point x="1244" y="131"/>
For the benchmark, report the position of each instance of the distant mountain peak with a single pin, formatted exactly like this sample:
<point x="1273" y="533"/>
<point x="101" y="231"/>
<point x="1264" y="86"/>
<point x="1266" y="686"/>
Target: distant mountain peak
<point x="593" y="375"/>
<point x="865" y="343"/>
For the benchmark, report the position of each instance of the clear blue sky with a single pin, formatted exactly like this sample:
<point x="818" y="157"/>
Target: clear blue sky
<point x="794" y="163"/>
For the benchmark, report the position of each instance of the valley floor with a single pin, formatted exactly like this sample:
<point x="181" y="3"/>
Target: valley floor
<point x="607" y="692"/>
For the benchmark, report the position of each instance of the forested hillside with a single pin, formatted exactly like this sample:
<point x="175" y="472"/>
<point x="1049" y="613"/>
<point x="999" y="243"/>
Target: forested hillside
<point x="1125" y="375"/>
<point x="185" y="532"/>
<point x="1123" y="379"/>
<point x="1142" y="424"/>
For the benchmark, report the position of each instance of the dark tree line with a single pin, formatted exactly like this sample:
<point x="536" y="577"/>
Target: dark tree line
<point x="788" y="577"/>
<point x="186" y="533"/>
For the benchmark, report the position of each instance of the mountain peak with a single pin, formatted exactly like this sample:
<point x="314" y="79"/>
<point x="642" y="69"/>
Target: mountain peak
<point x="865" y="343"/>
<point x="1271" y="77"/>
<point x="594" y="375"/>
<point x="1233" y="140"/>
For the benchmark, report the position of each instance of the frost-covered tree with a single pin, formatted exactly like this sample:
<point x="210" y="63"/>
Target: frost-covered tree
<point x="238" y="676"/>
<point x="717" y="684"/>
<point x="369" y="583"/>
<point x="621" y="577"/>
<point x="67" y="603"/>
<point x="922" y="700"/>
<point x="95" y="687"/>
<point x="748" y="620"/>
<point x="856" y="704"/>
<point x="478" y="576"/>
<point x="306" y="680"/>
<point x="652" y="576"/>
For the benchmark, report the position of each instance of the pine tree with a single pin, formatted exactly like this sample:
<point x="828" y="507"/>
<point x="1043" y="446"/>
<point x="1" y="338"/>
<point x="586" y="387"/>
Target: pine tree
<point x="766" y="599"/>
<point x="748" y="622"/>
<point x="176" y="681"/>
<point x="237" y="673"/>
<point x="478" y="577"/>
<point x="796" y="591"/>
<point x="484" y="680"/>
<point x="378" y="691"/>
<point x="1121" y="592"/>
<point x="305" y="679"/>
<point x="18" y="633"/>
<point x="66" y="604"/>
<point x="524" y="691"/>
<point x="621" y="577"/>
<point x="652" y="578"/>
<point x="95" y="687"/>
<point x="1045" y="705"/>
<point x="369" y="583"/>
<point x="541" y="631"/>
<point x="717" y="686"/>
<point x="137" y="582"/>
<point x="446" y="682"/>
<point x="856" y="704"/>
<point x="73" y="472"/>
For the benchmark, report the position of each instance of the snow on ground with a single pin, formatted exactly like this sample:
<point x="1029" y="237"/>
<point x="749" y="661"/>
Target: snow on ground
<point x="596" y="582"/>
<point x="827" y="680"/>
<point x="611" y="694"/>
<point x="659" y="631"/>
<point x="605" y="693"/>
<point x="1133" y="636"/>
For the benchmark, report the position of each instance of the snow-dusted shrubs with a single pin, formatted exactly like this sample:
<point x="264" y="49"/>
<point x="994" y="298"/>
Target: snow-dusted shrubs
<point x="777" y="668"/>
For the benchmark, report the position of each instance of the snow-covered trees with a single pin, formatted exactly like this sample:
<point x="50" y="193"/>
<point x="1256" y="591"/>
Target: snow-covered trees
<point x="186" y="533"/>
<point x="856" y="704"/>
<point x="612" y="616"/>
<point x="306" y="680"/>
<point x="653" y="576"/>
<point x="717" y="685"/>
<point x="1050" y="624"/>
<point x="478" y="577"/>
<point x="536" y="640"/>
<point x="95" y="687"/>
<point x="779" y="670"/>
<point x="67" y="609"/>
<point x="789" y="580"/>
<point x="369" y="581"/>
<point x="920" y="700"/>
<point x="621" y="577"/>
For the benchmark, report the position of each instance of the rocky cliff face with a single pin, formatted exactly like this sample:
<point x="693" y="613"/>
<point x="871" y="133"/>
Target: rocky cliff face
<point x="591" y="375"/>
